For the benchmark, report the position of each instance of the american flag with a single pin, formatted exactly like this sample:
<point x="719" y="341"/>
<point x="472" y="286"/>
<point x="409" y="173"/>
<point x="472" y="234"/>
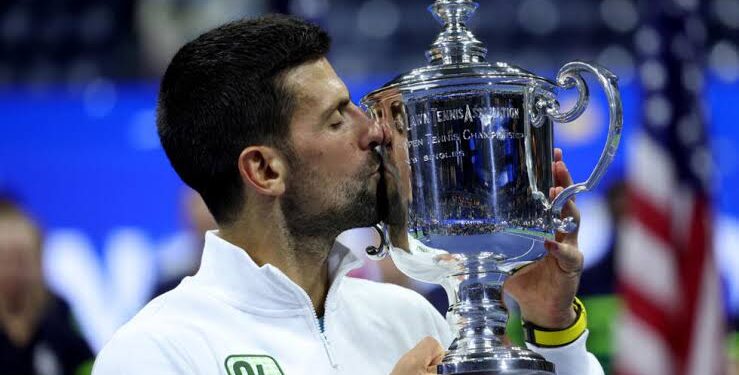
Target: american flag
<point x="673" y="319"/>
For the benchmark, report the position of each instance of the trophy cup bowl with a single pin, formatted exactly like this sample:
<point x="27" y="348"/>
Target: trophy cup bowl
<point x="471" y="159"/>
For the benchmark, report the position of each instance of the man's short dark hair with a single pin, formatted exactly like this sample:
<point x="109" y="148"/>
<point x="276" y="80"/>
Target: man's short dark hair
<point x="223" y="92"/>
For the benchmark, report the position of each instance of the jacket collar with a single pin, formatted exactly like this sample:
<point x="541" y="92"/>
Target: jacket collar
<point x="228" y="271"/>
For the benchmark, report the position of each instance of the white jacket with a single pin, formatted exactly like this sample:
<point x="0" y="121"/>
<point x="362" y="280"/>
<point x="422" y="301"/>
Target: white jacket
<point x="234" y="317"/>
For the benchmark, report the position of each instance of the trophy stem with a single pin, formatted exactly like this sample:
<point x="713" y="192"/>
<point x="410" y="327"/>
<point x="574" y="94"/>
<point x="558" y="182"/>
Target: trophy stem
<point x="479" y="316"/>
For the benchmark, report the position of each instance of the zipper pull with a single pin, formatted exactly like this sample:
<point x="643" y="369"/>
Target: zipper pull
<point x="330" y="352"/>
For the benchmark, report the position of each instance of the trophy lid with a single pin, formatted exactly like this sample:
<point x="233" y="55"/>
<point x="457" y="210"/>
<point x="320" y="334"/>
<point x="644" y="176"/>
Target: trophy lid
<point x="457" y="54"/>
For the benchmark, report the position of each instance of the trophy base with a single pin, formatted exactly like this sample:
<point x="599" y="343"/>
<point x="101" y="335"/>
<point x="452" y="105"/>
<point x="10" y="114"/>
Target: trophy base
<point x="500" y="361"/>
<point x="477" y="315"/>
<point x="479" y="318"/>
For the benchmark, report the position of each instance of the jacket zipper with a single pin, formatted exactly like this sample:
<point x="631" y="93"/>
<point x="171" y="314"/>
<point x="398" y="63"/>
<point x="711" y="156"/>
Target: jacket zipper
<point x="330" y="295"/>
<point x="316" y="326"/>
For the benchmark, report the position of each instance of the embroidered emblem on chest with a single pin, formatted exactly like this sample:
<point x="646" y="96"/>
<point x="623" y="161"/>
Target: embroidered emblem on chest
<point x="247" y="364"/>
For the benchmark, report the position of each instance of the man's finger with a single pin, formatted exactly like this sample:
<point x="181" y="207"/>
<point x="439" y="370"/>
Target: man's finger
<point x="430" y="350"/>
<point x="562" y="176"/>
<point x="422" y="359"/>
<point x="569" y="258"/>
<point x="431" y="369"/>
<point x="557" y="157"/>
<point x="432" y="353"/>
<point x="558" y="154"/>
<point x="570" y="210"/>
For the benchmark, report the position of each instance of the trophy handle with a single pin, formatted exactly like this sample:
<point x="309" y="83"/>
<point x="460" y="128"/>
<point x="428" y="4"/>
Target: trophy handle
<point x="380" y="251"/>
<point x="570" y="76"/>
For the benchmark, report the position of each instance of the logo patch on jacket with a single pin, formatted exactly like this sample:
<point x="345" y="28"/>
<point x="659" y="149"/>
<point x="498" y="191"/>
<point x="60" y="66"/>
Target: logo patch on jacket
<point x="248" y="364"/>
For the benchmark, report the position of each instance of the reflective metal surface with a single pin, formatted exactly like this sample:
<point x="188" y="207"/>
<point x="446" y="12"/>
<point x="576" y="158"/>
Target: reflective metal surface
<point x="471" y="159"/>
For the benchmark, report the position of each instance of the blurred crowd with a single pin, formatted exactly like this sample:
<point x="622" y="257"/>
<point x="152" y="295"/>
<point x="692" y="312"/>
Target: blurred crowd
<point x="38" y="333"/>
<point x="76" y="41"/>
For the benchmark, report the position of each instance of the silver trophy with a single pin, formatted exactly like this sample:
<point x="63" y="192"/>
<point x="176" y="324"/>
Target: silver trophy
<point x="471" y="159"/>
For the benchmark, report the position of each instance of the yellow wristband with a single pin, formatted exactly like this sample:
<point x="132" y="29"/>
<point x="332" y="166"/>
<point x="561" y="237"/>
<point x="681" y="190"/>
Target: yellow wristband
<point x="549" y="338"/>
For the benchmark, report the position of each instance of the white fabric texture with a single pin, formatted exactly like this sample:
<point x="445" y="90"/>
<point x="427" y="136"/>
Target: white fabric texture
<point x="573" y="359"/>
<point x="233" y="308"/>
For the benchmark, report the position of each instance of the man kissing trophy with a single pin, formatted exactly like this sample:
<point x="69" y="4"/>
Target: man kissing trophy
<point x="471" y="160"/>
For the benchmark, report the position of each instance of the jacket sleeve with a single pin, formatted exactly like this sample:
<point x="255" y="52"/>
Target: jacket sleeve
<point x="131" y="353"/>
<point x="572" y="359"/>
<point x="438" y="325"/>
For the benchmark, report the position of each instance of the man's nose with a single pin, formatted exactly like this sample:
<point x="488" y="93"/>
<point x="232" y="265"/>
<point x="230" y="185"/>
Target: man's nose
<point x="378" y="133"/>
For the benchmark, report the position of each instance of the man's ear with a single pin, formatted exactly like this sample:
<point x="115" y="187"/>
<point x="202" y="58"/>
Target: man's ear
<point x="263" y="169"/>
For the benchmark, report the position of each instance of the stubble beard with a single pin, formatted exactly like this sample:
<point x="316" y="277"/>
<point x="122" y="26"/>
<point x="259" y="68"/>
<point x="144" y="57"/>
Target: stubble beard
<point x="313" y="211"/>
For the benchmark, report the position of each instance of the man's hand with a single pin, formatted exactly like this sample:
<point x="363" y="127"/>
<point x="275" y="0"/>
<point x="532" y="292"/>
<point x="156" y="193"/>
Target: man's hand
<point x="421" y="360"/>
<point x="545" y="290"/>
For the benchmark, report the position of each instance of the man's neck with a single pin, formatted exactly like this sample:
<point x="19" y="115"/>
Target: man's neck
<point x="302" y="260"/>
